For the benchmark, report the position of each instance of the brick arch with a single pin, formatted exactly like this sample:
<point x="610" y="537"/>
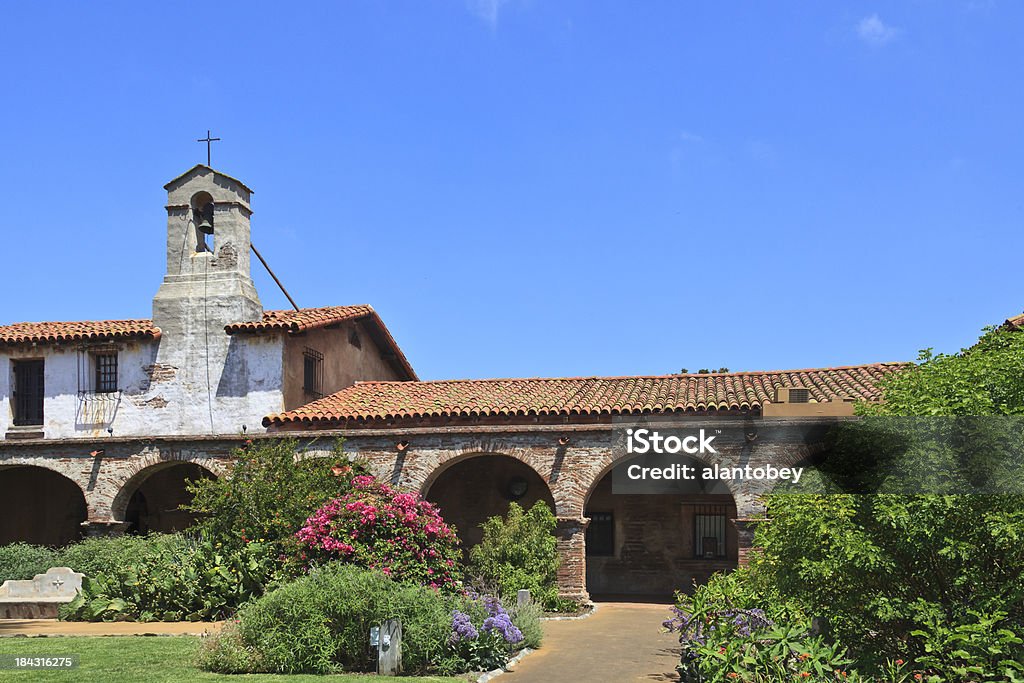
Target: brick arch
<point x="664" y="526"/>
<point x="470" y="487"/>
<point x="142" y="468"/>
<point x="422" y="479"/>
<point x="77" y="472"/>
<point x="747" y="496"/>
<point x="597" y="469"/>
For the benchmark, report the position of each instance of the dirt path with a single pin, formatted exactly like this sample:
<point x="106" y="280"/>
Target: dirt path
<point x="621" y="643"/>
<point x="52" y="627"/>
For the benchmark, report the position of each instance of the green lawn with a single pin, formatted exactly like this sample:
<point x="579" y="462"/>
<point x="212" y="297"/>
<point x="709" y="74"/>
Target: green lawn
<point x="159" y="659"/>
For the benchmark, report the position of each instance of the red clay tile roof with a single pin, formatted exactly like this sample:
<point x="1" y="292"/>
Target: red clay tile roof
<point x="304" y="319"/>
<point x="1016" y="322"/>
<point x="91" y="330"/>
<point x="289" y="321"/>
<point x="594" y="396"/>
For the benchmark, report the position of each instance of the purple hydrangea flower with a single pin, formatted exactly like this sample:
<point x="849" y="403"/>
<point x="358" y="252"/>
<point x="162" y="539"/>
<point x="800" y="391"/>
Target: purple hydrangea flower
<point x="501" y="623"/>
<point x="462" y="628"/>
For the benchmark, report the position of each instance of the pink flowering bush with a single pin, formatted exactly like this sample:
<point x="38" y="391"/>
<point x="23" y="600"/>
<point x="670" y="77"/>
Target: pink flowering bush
<point x="377" y="527"/>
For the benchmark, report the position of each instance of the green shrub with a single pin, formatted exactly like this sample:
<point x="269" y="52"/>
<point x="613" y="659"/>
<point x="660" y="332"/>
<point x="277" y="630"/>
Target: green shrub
<point x="726" y="634"/>
<point x="879" y="567"/>
<point x="20" y="561"/>
<point x="173" y="578"/>
<point x="519" y="552"/>
<point x="320" y="624"/>
<point x="926" y="583"/>
<point x="527" y="618"/>
<point x="979" y="646"/>
<point x="268" y="494"/>
<point x="225" y="652"/>
<point x="108" y="554"/>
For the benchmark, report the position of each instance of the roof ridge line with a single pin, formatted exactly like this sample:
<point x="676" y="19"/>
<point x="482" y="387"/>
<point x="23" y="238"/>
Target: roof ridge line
<point x="78" y="322"/>
<point x="624" y="377"/>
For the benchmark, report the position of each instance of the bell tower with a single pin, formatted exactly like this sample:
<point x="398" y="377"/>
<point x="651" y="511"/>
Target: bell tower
<point x="208" y="245"/>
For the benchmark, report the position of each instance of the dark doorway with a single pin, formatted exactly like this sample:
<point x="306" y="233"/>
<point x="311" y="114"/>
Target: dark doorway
<point x="472" y="490"/>
<point x="155" y="505"/>
<point x="39" y="506"/>
<point x="655" y="544"/>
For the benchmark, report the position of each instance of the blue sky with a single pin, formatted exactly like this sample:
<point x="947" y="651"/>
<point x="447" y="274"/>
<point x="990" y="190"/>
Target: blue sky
<point x="529" y="188"/>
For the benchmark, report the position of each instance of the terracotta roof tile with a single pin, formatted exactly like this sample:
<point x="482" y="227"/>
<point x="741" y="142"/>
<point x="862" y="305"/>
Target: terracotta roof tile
<point x="378" y="401"/>
<point x="289" y="321"/>
<point x="1016" y="322"/>
<point x="86" y="330"/>
<point x="305" y="319"/>
<point x="302" y="319"/>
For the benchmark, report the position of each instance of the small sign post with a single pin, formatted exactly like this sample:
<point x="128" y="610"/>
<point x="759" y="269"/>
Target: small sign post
<point x="389" y="650"/>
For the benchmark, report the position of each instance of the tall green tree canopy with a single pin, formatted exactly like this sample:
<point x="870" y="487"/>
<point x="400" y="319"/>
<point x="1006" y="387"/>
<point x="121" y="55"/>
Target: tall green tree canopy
<point x="896" y="572"/>
<point x="986" y="379"/>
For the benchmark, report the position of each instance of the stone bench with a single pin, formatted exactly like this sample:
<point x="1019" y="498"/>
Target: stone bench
<point x="41" y="596"/>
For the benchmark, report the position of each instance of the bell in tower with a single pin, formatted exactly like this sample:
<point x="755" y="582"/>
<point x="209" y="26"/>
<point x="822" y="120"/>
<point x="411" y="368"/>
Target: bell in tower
<point x="202" y="217"/>
<point x="205" y="282"/>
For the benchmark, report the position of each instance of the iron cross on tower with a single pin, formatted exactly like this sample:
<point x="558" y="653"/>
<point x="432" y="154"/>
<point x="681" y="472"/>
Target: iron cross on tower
<point x="208" y="140"/>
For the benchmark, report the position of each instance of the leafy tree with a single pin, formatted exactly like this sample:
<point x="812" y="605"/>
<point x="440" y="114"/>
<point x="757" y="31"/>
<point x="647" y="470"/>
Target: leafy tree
<point x="518" y="552"/>
<point x="986" y="379"/>
<point x="898" y="573"/>
<point x="268" y="494"/>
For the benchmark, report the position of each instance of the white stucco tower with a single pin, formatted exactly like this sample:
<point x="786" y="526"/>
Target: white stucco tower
<point x="208" y="245"/>
<point x="211" y="382"/>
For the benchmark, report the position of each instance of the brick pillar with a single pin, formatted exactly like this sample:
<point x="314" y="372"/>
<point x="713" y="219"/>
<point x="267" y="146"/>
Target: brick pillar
<point x="572" y="550"/>
<point x="745" y="537"/>
<point x="103" y="527"/>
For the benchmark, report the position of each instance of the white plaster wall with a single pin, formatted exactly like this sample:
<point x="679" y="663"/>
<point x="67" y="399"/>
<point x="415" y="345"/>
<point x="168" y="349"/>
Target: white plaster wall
<point x="6" y="412"/>
<point x="245" y="384"/>
<point x="196" y="379"/>
<point x="65" y="412"/>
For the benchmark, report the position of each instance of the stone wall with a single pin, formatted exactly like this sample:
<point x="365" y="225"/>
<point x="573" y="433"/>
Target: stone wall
<point x="106" y="480"/>
<point x="569" y="461"/>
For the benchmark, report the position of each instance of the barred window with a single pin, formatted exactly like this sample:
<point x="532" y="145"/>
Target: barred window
<point x="313" y="373"/>
<point x="709" y="531"/>
<point x="28" y="392"/>
<point x="106" y="373"/>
